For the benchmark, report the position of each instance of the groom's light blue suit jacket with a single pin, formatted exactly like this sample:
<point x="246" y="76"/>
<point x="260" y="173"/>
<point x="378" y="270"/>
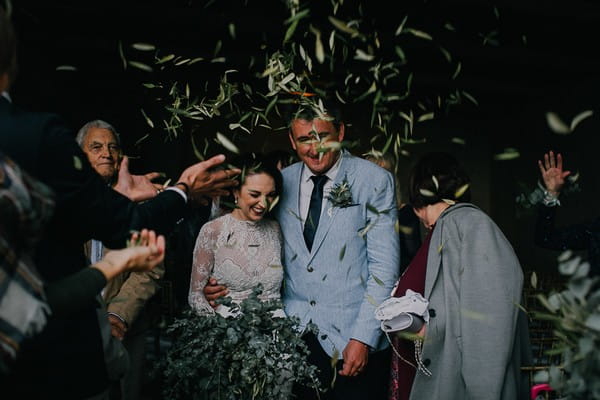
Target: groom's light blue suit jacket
<point x="339" y="283"/>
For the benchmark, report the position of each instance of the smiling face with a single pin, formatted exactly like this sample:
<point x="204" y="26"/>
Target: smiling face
<point x="103" y="151"/>
<point x="308" y="136"/>
<point x="254" y="197"/>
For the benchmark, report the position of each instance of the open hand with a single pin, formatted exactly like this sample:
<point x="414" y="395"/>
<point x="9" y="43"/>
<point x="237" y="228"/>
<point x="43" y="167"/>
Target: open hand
<point x="205" y="182"/>
<point x="136" y="187"/>
<point x="552" y="172"/>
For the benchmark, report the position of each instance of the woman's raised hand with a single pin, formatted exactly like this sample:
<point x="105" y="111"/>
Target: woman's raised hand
<point x="144" y="252"/>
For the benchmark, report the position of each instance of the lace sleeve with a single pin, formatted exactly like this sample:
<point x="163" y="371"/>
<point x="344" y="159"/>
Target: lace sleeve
<point x="202" y="265"/>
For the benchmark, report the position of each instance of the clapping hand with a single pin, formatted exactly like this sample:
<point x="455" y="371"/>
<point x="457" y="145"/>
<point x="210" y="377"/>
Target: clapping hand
<point x="205" y="182"/>
<point x="552" y="172"/>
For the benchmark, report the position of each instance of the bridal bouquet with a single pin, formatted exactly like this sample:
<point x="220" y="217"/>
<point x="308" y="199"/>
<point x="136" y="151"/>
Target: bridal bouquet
<point x="251" y="356"/>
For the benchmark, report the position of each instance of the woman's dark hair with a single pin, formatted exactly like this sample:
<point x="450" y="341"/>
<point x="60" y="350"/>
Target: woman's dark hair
<point x="252" y="164"/>
<point x="436" y="177"/>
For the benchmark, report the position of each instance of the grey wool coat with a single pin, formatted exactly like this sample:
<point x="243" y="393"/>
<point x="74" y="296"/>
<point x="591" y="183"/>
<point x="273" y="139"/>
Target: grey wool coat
<point x="474" y="285"/>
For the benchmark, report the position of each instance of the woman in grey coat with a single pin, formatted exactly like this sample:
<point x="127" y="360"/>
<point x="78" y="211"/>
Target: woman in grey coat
<point x="470" y="275"/>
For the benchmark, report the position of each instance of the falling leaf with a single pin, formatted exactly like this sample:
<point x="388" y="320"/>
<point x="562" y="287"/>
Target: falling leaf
<point x="148" y="120"/>
<point x="139" y="65"/>
<point x="556" y="124"/>
<point x="401" y="26"/>
<point x="272" y="204"/>
<point x="419" y="34"/>
<point x="66" y="68"/>
<point x="319" y="52"/>
<point x="425" y="117"/>
<point x="166" y="59"/>
<point x="378" y="281"/>
<point x="534" y="280"/>
<point x="457" y="70"/>
<point x="449" y="202"/>
<point x="435" y="182"/>
<point x="580" y="117"/>
<point x="458" y="140"/>
<point x="143" y="46"/>
<point x="342" y="26"/>
<point x="77" y="163"/>
<point x="225" y="142"/>
<point x="461" y="190"/>
<point x="342" y="252"/>
<point x="426" y="193"/>
<point x="231" y="28"/>
<point x="122" y="55"/>
<point x="507" y="154"/>
<point x="371" y="300"/>
<point x="362" y="56"/>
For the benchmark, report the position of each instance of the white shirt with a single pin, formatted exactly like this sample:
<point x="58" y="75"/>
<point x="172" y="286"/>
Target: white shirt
<point x="306" y="187"/>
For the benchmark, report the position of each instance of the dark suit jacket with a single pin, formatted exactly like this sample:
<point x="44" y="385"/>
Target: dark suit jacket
<point x="67" y="358"/>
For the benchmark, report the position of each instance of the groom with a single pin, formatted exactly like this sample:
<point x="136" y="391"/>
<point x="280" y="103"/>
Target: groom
<point x="341" y="256"/>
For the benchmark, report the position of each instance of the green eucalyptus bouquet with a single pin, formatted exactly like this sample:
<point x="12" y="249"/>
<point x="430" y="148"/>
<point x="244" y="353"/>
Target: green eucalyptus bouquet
<point x="253" y="355"/>
<point x="575" y="313"/>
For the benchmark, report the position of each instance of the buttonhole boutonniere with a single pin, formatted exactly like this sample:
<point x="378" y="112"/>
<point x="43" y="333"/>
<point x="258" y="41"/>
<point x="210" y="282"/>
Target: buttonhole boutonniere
<point x="341" y="195"/>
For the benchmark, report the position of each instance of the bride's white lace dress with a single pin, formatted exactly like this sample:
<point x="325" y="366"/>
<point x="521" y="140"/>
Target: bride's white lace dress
<point x="240" y="255"/>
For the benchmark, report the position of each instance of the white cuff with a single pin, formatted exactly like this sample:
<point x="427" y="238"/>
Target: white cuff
<point x="181" y="192"/>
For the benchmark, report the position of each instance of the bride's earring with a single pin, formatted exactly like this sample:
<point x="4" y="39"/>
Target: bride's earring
<point x="235" y="200"/>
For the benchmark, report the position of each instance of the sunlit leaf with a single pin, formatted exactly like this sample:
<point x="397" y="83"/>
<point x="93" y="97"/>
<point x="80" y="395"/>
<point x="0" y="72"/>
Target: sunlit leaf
<point x="140" y="65"/>
<point x="425" y="117"/>
<point x="419" y="34"/>
<point x="435" y="182"/>
<point x="401" y="26"/>
<point x="143" y="46"/>
<point x="148" y="120"/>
<point x="507" y="154"/>
<point x="458" y="140"/>
<point x="231" y="28"/>
<point x="426" y="193"/>
<point x="580" y="117"/>
<point x="225" y="142"/>
<point x="534" y="280"/>
<point x="342" y="26"/>
<point x="556" y="124"/>
<point x="362" y="56"/>
<point x="460" y="191"/>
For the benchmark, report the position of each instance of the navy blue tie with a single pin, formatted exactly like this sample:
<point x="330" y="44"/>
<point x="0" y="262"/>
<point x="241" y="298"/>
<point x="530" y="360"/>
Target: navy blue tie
<point x="314" y="209"/>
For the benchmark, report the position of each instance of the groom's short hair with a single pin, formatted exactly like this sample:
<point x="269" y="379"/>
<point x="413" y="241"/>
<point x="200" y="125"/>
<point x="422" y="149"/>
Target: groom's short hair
<point x="307" y="108"/>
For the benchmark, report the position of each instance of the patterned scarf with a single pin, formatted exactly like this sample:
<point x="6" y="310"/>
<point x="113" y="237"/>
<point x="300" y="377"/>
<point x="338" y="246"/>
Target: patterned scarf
<point x="25" y="207"/>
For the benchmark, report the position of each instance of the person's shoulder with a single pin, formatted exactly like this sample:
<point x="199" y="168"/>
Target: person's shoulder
<point x="366" y="170"/>
<point x="292" y="169"/>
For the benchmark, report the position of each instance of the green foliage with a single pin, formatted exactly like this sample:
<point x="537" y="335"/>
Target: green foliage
<point x="348" y="51"/>
<point x="252" y="356"/>
<point x="575" y="313"/>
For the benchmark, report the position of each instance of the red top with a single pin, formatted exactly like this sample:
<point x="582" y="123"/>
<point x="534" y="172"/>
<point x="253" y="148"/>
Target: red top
<point x="402" y="374"/>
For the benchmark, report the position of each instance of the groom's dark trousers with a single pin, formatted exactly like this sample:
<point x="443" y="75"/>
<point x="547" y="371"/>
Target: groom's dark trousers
<point x="371" y="384"/>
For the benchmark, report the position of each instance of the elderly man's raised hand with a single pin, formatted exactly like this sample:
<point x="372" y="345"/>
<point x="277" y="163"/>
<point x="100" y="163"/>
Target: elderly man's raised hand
<point x="552" y="172"/>
<point x="136" y="187"/>
<point x="205" y="182"/>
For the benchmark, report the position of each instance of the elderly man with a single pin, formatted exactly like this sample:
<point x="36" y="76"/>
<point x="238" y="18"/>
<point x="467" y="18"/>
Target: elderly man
<point x="341" y="255"/>
<point x="126" y="295"/>
<point x="67" y="360"/>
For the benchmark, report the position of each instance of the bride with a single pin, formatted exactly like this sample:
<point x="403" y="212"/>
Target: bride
<point x="241" y="249"/>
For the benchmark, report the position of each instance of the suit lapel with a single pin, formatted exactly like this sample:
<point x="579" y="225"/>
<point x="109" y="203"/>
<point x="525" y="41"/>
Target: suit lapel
<point x="328" y="212"/>
<point x="292" y="210"/>
<point x="434" y="258"/>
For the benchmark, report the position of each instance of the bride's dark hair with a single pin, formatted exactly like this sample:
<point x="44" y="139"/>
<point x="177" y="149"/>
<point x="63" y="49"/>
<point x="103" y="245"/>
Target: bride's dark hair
<point x="252" y="164"/>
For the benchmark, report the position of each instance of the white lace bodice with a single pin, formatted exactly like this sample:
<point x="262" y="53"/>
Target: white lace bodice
<point x="239" y="255"/>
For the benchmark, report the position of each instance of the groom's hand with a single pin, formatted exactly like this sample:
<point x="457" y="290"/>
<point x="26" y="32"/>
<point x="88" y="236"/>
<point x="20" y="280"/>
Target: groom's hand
<point x="212" y="291"/>
<point x="356" y="356"/>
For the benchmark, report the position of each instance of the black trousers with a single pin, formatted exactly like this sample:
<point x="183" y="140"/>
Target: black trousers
<point x="371" y="384"/>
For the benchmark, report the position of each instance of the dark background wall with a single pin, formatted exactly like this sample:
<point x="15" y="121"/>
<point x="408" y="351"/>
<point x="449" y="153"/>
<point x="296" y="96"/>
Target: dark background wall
<point x="546" y="60"/>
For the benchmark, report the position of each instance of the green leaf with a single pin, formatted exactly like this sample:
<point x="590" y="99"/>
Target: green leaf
<point x="140" y="65"/>
<point x="342" y="253"/>
<point x="143" y="46"/>
<point x="378" y="281"/>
